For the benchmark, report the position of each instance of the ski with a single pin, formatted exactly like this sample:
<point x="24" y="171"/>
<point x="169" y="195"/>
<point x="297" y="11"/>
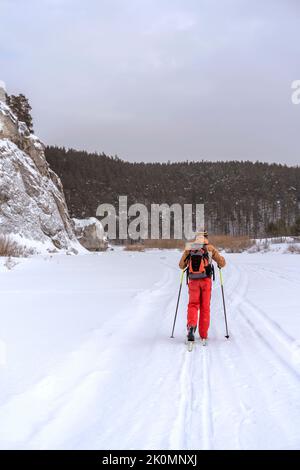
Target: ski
<point x="190" y="344"/>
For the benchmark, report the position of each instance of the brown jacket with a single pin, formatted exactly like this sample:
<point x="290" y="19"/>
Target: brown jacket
<point x="220" y="260"/>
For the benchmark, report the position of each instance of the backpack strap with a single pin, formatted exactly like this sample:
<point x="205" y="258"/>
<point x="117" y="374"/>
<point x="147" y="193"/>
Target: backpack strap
<point x="187" y="257"/>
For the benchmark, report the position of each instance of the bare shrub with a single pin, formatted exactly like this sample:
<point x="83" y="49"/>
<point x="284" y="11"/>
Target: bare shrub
<point x="266" y="245"/>
<point x="224" y="242"/>
<point x="256" y="248"/>
<point x="10" y="263"/>
<point x="277" y="240"/>
<point x="262" y="245"/>
<point x="135" y="247"/>
<point x="295" y="249"/>
<point x="10" y="248"/>
<point x="232" y="244"/>
<point x="169" y="244"/>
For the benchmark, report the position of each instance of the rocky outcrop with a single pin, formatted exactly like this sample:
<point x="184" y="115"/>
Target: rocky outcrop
<point x="2" y="91"/>
<point x="90" y="234"/>
<point x="32" y="202"/>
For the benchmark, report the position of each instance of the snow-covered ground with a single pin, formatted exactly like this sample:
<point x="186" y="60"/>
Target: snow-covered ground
<point x="285" y="245"/>
<point x="86" y="359"/>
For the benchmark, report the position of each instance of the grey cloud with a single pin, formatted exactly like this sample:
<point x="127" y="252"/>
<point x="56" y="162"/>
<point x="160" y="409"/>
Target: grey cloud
<point x="158" y="79"/>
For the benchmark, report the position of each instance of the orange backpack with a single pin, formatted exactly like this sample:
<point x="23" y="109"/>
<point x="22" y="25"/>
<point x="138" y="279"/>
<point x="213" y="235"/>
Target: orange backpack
<point x="200" y="264"/>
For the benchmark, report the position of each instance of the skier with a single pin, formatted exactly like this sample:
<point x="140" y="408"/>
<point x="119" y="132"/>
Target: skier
<point x="197" y="258"/>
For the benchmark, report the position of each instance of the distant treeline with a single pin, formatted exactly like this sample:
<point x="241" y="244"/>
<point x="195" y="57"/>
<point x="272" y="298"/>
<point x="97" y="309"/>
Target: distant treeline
<point x="241" y="198"/>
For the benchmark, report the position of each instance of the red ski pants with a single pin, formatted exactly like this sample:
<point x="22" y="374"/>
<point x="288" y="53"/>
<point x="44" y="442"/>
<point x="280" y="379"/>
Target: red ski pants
<point x="199" y="299"/>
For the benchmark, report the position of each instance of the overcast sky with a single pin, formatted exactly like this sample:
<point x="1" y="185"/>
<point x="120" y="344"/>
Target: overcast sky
<point x="158" y="79"/>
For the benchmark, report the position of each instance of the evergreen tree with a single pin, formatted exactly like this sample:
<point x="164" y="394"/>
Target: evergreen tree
<point x="241" y="198"/>
<point x="20" y="106"/>
<point x="296" y="228"/>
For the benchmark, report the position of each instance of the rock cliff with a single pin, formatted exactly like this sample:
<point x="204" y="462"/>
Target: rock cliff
<point x="32" y="202"/>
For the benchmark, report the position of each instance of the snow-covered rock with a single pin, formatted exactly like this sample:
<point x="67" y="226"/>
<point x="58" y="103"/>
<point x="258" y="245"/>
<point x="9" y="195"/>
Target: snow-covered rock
<point x="2" y="91"/>
<point x="32" y="203"/>
<point x="90" y="234"/>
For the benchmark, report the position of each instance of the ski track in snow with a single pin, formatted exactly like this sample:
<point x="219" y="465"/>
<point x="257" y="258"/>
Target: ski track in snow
<point x="125" y="384"/>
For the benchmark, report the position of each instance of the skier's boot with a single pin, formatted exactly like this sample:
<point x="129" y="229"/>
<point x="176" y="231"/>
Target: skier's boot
<point x="191" y="337"/>
<point x="204" y="341"/>
<point x="191" y="333"/>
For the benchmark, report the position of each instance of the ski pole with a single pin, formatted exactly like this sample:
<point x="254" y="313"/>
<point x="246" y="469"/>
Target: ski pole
<point x="223" y="297"/>
<point x="181" y="279"/>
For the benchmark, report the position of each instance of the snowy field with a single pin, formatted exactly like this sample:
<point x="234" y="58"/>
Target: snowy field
<point x="86" y="359"/>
